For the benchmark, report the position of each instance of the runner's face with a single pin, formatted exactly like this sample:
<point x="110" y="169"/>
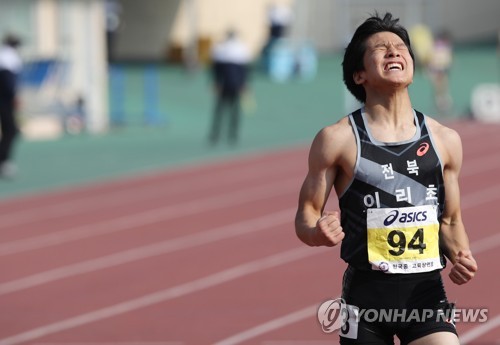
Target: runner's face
<point x="387" y="59"/>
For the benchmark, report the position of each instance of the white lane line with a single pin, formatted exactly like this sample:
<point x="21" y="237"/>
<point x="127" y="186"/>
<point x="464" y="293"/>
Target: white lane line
<point x="471" y="131"/>
<point x="114" y="343"/>
<point x="485" y="244"/>
<point x="136" y="194"/>
<point x="296" y="342"/>
<point x="478" y="331"/>
<point x="181" y="243"/>
<point x="149" y="217"/>
<point x="477" y="247"/>
<point x="480" y="165"/>
<point x="270" y="326"/>
<point x="209" y="281"/>
<point x="481" y="196"/>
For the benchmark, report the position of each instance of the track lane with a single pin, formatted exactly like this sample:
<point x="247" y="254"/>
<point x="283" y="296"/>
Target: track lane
<point x="217" y="299"/>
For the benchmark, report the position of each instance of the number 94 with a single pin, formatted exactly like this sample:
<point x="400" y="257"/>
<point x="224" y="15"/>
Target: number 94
<point x="397" y="240"/>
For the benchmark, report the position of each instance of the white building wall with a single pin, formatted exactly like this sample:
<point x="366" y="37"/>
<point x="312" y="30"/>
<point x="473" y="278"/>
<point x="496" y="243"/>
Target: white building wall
<point x="71" y="31"/>
<point x="84" y="49"/>
<point x="145" y="28"/>
<point x="148" y="27"/>
<point x="45" y="21"/>
<point x="335" y="20"/>
<point x="470" y="20"/>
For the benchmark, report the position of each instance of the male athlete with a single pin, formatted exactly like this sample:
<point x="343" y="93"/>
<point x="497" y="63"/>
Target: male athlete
<point x="395" y="172"/>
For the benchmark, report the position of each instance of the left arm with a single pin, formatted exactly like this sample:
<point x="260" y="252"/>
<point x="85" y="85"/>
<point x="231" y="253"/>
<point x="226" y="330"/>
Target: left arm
<point x="454" y="239"/>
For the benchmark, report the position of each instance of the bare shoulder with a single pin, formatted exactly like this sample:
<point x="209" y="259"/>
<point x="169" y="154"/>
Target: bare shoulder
<point x="448" y="141"/>
<point x="332" y="141"/>
<point x="442" y="131"/>
<point x="446" y="135"/>
<point x="336" y="133"/>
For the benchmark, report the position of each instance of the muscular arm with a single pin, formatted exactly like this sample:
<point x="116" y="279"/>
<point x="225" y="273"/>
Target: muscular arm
<point x="453" y="235"/>
<point x="312" y="225"/>
<point x="454" y="239"/>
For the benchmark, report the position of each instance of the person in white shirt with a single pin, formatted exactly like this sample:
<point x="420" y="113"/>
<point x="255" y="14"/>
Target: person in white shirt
<point x="230" y="62"/>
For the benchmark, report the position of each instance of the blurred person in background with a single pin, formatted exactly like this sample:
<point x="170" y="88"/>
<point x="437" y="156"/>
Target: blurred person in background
<point x="113" y="10"/>
<point x="279" y="18"/>
<point x="422" y="43"/>
<point x="395" y="172"/>
<point x="230" y="64"/>
<point x="439" y="67"/>
<point x="10" y="68"/>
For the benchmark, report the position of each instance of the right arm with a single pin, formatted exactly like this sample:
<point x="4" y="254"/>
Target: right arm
<point x="313" y="226"/>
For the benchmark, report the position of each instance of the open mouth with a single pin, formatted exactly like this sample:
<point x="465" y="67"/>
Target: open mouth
<point x="393" y="66"/>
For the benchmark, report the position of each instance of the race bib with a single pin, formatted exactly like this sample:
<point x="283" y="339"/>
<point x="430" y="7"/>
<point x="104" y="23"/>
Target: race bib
<point x="403" y="240"/>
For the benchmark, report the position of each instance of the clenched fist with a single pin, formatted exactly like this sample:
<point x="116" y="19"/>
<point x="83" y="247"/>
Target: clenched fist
<point x="464" y="269"/>
<point x="329" y="229"/>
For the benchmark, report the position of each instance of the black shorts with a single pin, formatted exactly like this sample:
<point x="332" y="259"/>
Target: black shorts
<point x="380" y="306"/>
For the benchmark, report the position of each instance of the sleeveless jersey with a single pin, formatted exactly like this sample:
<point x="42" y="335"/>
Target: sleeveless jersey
<point x="391" y="210"/>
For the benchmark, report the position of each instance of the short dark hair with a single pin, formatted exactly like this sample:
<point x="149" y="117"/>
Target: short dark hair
<point x="355" y="51"/>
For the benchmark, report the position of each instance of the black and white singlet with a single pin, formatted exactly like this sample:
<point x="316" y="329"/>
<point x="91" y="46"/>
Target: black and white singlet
<point x="390" y="211"/>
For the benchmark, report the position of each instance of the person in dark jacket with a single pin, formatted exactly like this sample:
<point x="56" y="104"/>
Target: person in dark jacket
<point x="230" y="60"/>
<point x="10" y="67"/>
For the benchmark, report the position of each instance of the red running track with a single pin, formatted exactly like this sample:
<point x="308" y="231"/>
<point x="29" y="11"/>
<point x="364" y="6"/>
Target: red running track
<point x="204" y="255"/>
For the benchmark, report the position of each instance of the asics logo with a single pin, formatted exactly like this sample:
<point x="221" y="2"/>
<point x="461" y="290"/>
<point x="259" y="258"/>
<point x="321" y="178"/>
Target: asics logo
<point x="392" y="217"/>
<point x="405" y="217"/>
<point x="422" y="149"/>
